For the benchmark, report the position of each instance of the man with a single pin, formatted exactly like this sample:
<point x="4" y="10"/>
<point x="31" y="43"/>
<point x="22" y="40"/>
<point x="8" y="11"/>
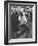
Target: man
<point x="14" y="21"/>
<point x="23" y="19"/>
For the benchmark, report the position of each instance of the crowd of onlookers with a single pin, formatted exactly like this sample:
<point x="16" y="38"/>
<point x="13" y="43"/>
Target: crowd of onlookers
<point x="21" y="13"/>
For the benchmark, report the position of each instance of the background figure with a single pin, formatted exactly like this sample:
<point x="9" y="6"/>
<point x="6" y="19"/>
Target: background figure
<point x="23" y="19"/>
<point x="14" y="21"/>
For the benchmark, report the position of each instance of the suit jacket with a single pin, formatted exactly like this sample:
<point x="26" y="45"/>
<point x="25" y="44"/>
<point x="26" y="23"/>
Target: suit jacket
<point x="14" y="21"/>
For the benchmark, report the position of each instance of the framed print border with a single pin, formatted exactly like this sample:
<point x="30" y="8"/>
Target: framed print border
<point x="6" y="22"/>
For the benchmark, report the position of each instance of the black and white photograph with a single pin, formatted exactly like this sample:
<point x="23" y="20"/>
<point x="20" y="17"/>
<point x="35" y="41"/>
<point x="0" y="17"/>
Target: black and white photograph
<point x="20" y="22"/>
